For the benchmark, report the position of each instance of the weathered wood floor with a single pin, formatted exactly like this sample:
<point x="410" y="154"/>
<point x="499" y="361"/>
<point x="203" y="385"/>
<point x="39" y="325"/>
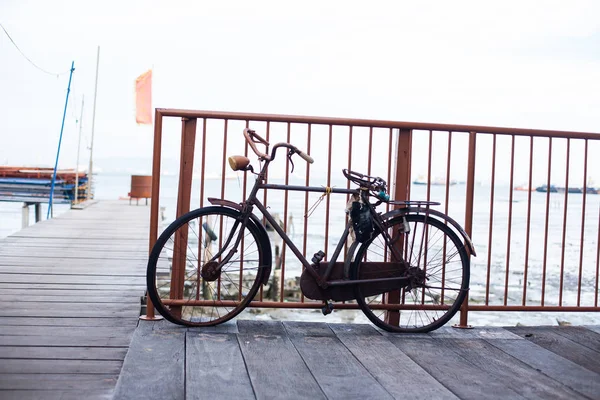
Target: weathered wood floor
<point x="295" y="360"/>
<point x="70" y="290"/>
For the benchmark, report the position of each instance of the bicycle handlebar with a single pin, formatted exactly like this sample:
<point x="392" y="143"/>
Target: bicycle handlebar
<point x="253" y="138"/>
<point x="305" y="156"/>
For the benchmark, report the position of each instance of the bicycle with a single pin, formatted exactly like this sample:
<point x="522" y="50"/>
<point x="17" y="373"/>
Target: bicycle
<point x="407" y="269"/>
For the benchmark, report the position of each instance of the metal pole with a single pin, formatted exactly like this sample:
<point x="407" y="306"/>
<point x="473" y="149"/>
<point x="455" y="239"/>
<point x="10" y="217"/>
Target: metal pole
<point x="62" y="127"/>
<point x="76" y="200"/>
<point x="91" y="169"/>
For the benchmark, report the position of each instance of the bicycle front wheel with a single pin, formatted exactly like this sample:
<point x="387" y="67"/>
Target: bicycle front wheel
<point x="190" y="279"/>
<point x="435" y="264"/>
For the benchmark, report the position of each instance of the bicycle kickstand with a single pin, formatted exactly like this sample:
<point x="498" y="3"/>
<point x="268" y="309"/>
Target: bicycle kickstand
<point x="327" y="308"/>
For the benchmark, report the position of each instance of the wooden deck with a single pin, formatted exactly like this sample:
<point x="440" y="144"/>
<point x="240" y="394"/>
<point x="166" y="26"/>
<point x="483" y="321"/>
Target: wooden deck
<point x="70" y="293"/>
<point x="70" y="290"/>
<point x="299" y="360"/>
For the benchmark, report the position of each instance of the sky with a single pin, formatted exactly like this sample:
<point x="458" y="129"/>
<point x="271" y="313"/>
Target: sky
<point x="527" y="64"/>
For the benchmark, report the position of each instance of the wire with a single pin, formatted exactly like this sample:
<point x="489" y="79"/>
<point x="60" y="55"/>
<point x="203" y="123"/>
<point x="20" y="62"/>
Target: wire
<point x="27" y="58"/>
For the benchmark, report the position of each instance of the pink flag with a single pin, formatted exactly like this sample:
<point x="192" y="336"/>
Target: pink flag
<point x="143" y="98"/>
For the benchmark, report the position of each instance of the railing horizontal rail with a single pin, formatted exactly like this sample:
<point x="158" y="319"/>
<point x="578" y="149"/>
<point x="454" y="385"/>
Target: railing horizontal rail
<point x="424" y="126"/>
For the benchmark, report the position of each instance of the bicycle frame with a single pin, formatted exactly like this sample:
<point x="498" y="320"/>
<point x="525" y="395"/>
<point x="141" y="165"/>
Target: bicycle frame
<point x="323" y="280"/>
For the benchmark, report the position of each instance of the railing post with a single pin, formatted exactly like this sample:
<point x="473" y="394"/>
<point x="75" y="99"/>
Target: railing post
<point x="401" y="192"/>
<point x="464" y="309"/>
<point x="154" y="203"/>
<point x="188" y="140"/>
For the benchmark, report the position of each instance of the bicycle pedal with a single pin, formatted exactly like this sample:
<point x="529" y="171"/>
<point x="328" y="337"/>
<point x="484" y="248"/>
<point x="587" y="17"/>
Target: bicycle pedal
<point x="327" y="308"/>
<point x="318" y="256"/>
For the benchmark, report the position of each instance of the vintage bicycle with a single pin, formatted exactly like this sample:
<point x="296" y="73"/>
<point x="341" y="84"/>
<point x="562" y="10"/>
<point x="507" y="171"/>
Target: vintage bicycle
<point x="407" y="269"/>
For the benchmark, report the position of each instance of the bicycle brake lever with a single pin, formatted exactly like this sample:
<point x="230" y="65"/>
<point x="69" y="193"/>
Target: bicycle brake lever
<point x="290" y="154"/>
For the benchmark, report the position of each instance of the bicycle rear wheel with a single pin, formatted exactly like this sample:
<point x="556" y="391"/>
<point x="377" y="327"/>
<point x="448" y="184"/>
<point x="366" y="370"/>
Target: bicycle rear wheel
<point x="184" y="281"/>
<point x="438" y="264"/>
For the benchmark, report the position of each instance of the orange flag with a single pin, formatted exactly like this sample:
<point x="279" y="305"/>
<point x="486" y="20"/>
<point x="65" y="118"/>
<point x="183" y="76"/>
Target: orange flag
<point x="143" y="98"/>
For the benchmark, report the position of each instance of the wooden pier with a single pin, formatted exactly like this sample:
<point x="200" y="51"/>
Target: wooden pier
<point x="300" y="360"/>
<point x="70" y="290"/>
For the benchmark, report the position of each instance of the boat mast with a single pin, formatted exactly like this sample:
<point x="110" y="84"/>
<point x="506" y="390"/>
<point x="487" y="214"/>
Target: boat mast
<point x="90" y="169"/>
<point x="76" y="200"/>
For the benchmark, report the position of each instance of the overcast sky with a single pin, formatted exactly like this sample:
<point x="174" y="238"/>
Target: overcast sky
<point x="530" y="64"/>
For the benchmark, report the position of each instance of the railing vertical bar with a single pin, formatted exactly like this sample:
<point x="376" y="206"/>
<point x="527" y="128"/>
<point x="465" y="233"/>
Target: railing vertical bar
<point x="243" y="243"/>
<point x="154" y="202"/>
<point x="448" y="163"/>
<point x="307" y="183"/>
<point x="329" y="151"/>
<point x="597" y="261"/>
<point x="585" y="193"/>
<point x="203" y="163"/>
<point x="285" y="215"/>
<point x="223" y="170"/>
<point x="200" y="250"/>
<point x="267" y="135"/>
<point x="447" y="194"/>
<point x="547" y="221"/>
<point x="470" y="191"/>
<point x="348" y="181"/>
<point x="370" y="157"/>
<point x="564" y="232"/>
<point x="389" y="172"/>
<point x="528" y="223"/>
<point x="510" y="209"/>
<point x="429" y="161"/>
<point x="491" y="228"/>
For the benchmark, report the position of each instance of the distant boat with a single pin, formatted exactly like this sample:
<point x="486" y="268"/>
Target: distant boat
<point x="421" y="180"/>
<point x="523" y="188"/>
<point x="544" y="189"/>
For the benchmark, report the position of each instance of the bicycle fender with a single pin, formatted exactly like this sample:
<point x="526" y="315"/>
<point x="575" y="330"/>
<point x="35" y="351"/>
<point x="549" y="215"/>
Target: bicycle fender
<point x="266" y="243"/>
<point x="418" y="210"/>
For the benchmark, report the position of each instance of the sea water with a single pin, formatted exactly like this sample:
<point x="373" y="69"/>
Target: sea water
<point x="491" y="248"/>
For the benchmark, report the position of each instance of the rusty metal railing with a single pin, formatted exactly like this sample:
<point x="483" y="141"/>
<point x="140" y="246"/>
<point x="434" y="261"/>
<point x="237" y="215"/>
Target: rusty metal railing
<point x="536" y="251"/>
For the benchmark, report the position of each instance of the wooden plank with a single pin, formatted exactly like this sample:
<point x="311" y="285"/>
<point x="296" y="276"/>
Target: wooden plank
<point x="339" y="374"/>
<point x="550" y="364"/>
<point x="215" y="367"/>
<point x="66" y="340"/>
<point x="460" y="376"/>
<point x="595" y="328"/>
<point x="66" y="313"/>
<point x="523" y="379"/>
<point x="50" y="292"/>
<point x="65" y="299"/>
<point x="19" y="366"/>
<point x="271" y="360"/>
<point x="75" y="270"/>
<point x="581" y="335"/>
<point x="154" y="366"/>
<point x="65" y="331"/>
<point x="66" y="279"/>
<point x="106" y="394"/>
<point x="558" y="344"/>
<point x="67" y="286"/>
<point x="64" y="353"/>
<point x="394" y="370"/>
<point x="57" y="382"/>
<point x="70" y="321"/>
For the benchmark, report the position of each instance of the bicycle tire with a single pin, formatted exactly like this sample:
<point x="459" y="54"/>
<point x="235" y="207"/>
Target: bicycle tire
<point x="206" y="302"/>
<point x="429" y="303"/>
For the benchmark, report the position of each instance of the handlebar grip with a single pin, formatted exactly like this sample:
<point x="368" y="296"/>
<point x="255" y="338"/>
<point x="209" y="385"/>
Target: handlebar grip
<point x="306" y="157"/>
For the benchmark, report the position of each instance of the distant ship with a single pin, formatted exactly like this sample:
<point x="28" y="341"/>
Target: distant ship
<point x="421" y="180"/>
